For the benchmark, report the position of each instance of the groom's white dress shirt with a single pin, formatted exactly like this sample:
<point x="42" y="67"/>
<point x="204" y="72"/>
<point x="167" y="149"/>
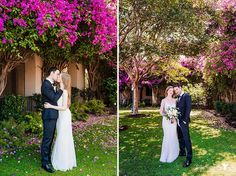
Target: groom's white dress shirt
<point x="51" y="81"/>
<point x="181" y="95"/>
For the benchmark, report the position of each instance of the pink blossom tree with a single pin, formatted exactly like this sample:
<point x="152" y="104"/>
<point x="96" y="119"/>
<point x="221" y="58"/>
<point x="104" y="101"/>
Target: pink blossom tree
<point x="26" y="24"/>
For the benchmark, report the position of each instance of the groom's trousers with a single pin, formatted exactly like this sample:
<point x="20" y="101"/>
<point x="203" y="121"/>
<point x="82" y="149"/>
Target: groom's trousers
<point x="184" y="140"/>
<point x="49" y="127"/>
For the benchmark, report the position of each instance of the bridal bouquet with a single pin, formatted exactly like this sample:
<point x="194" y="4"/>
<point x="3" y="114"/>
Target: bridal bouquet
<point x="172" y="113"/>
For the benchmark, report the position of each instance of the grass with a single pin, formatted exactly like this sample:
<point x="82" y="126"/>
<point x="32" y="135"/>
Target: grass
<point x="140" y="147"/>
<point x="95" y="151"/>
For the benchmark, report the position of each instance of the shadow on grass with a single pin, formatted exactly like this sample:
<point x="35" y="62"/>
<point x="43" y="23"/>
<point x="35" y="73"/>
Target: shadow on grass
<point x="95" y="153"/>
<point x="140" y="148"/>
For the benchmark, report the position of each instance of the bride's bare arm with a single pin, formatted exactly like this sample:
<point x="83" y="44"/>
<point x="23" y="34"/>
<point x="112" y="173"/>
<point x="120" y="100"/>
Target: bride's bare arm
<point x="59" y="108"/>
<point x="162" y="111"/>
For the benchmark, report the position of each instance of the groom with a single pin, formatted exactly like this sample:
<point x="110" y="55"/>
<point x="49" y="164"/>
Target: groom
<point x="49" y="116"/>
<point x="184" y="106"/>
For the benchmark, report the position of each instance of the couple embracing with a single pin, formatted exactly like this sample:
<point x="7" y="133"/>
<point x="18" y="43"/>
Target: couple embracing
<point x="57" y="117"/>
<point x="176" y="139"/>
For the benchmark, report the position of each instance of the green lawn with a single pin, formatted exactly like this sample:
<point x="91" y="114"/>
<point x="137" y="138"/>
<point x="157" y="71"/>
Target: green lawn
<point x="214" y="148"/>
<point x="95" y="150"/>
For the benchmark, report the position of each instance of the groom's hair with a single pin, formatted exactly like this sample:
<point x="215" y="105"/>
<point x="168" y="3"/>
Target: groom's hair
<point x="51" y="69"/>
<point x="177" y="85"/>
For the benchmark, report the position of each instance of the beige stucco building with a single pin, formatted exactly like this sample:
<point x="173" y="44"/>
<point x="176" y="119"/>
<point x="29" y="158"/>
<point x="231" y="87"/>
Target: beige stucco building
<point x="26" y="79"/>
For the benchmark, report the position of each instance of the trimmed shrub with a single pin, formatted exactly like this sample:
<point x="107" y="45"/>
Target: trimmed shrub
<point x="78" y="111"/>
<point x="12" y="106"/>
<point x="227" y="109"/>
<point x="34" y="123"/>
<point x="96" y="107"/>
<point x="197" y="93"/>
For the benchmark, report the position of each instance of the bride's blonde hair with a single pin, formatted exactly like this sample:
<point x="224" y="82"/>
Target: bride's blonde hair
<point x="167" y="89"/>
<point x="66" y="79"/>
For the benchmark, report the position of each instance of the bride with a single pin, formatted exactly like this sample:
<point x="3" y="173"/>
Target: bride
<point x="170" y="143"/>
<point x="63" y="153"/>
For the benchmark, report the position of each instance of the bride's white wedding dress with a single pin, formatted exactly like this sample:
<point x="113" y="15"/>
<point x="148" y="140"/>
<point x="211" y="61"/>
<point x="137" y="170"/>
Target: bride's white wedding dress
<point x="170" y="143"/>
<point x="63" y="153"/>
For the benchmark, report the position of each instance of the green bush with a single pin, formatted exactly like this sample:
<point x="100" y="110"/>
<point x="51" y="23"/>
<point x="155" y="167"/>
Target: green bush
<point x="15" y="133"/>
<point x="74" y="94"/>
<point x="12" y="106"/>
<point x="34" y="123"/>
<point x="197" y="93"/>
<point x="96" y="107"/>
<point x="233" y="111"/>
<point x="218" y="106"/>
<point x="227" y="109"/>
<point x="87" y="94"/>
<point x="78" y="111"/>
<point x="110" y="85"/>
<point x="37" y="98"/>
<point x="12" y="134"/>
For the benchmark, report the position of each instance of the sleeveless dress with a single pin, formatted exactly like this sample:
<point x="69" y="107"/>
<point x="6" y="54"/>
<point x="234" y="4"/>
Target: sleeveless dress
<point x="170" y="143"/>
<point x="63" y="153"/>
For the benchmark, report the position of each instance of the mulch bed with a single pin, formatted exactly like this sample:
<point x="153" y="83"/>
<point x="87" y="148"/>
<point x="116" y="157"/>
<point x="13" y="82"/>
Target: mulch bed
<point x="219" y="120"/>
<point x="80" y="125"/>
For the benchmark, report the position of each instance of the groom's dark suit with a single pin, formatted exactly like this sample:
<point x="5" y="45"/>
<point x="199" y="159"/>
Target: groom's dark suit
<point x="49" y="116"/>
<point x="184" y="103"/>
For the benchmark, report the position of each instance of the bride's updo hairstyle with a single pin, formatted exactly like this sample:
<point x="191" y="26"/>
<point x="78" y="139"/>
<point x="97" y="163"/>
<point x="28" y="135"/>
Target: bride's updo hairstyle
<point x="66" y="79"/>
<point x="167" y="89"/>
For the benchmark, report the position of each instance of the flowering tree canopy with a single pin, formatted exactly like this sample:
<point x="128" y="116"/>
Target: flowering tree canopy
<point x="29" y="26"/>
<point x="24" y="23"/>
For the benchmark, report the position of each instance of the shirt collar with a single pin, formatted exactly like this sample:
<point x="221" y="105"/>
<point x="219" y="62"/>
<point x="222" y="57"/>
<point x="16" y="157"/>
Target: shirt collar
<point x="181" y="93"/>
<point x="51" y="81"/>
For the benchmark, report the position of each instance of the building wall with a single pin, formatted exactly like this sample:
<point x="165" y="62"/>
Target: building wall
<point x="20" y="79"/>
<point x="77" y="76"/>
<point x="33" y="75"/>
<point x="26" y="79"/>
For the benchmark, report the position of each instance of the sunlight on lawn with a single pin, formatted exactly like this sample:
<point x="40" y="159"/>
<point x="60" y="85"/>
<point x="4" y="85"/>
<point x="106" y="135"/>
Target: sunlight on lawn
<point x="221" y="168"/>
<point x="208" y="132"/>
<point x="95" y="151"/>
<point x="140" y="147"/>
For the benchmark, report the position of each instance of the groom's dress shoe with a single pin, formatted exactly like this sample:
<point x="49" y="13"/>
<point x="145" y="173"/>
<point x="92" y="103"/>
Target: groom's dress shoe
<point x="182" y="154"/>
<point x="48" y="168"/>
<point x="187" y="163"/>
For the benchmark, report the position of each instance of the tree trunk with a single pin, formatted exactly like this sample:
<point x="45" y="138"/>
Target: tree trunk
<point x="9" y="61"/>
<point x="154" y="96"/>
<point x="135" y="98"/>
<point x="3" y="79"/>
<point x="94" y="76"/>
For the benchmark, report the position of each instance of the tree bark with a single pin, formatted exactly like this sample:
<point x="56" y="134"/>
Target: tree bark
<point x="93" y="75"/>
<point x="3" y="79"/>
<point x="154" y="96"/>
<point x="9" y="61"/>
<point x="135" y="99"/>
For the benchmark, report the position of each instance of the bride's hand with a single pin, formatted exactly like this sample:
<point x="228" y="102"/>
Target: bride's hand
<point x="47" y="105"/>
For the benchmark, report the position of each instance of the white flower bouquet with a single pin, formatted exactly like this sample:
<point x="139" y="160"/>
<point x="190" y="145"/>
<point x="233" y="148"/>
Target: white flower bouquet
<point x="172" y="114"/>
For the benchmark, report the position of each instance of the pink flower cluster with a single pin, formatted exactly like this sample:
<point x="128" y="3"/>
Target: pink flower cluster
<point x="105" y="33"/>
<point x="63" y="20"/>
<point x="224" y="59"/>
<point x="196" y="64"/>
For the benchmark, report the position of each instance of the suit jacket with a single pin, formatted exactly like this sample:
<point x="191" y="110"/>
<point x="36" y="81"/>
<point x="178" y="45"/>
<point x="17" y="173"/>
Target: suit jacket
<point x="51" y="96"/>
<point x="184" y="105"/>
